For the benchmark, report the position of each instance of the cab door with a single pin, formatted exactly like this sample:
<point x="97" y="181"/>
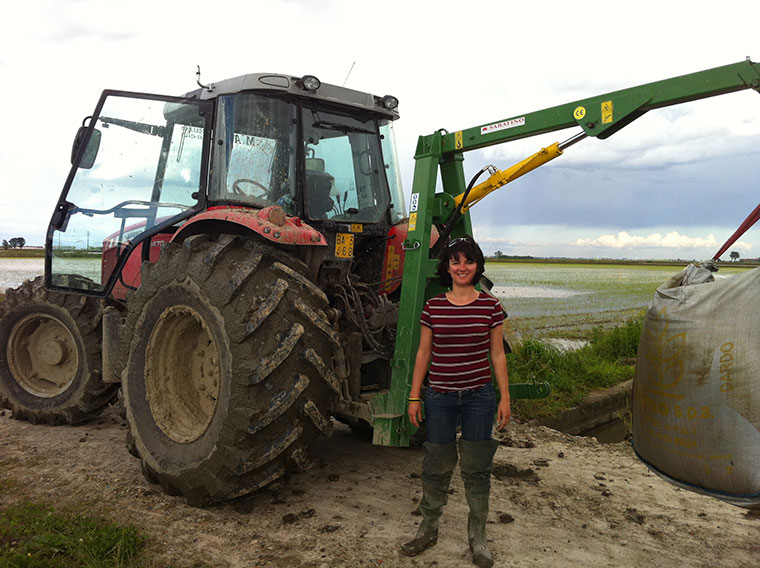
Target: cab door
<point x="139" y="169"/>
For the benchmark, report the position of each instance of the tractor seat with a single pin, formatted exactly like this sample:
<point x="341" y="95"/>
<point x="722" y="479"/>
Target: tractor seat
<point x="318" y="186"/>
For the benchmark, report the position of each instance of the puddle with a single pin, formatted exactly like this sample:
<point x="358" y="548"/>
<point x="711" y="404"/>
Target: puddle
<point x="616" y="431"/>
<point x="533" y="292"/>
<point x="566" y="344"/>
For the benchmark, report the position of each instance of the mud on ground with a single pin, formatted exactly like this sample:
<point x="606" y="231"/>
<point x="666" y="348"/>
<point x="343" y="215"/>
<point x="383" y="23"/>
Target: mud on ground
<point x="557" y="500"/>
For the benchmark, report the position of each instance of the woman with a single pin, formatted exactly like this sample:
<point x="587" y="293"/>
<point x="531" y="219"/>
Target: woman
<point x="460" y="330"/>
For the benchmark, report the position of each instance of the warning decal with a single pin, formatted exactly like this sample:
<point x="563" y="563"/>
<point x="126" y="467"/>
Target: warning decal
<point x="606" y="112"/>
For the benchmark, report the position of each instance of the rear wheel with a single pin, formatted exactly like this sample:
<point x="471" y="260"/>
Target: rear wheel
<point x="50" y="355"/>
<point x="230" y="373"/>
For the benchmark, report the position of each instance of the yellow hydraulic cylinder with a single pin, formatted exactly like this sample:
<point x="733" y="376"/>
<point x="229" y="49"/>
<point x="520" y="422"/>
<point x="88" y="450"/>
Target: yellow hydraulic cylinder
<point x="503" y="177"/>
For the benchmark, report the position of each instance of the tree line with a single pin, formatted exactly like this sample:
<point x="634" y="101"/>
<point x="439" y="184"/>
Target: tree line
<point x="16" y="242"/>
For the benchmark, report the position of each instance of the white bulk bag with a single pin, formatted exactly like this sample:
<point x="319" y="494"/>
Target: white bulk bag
<point x="696" y="393"/>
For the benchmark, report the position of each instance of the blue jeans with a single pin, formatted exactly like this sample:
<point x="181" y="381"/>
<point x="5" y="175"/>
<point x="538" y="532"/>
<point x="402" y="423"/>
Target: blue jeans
<point x="473" y="410"/>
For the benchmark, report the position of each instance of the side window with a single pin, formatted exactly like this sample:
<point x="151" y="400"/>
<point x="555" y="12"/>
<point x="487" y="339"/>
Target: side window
<point x="345" y="175"/>
<point x="330" y="179"/>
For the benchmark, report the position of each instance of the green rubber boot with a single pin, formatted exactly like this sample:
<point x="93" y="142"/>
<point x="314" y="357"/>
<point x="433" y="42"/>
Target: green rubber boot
<point x="476" y="463"/>
<point x="437" y="467"/>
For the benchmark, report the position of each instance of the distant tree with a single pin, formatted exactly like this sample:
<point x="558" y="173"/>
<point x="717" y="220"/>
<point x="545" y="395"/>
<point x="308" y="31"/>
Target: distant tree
<point x="734" y="255"/>
<point x="6" y="244"/>
<point x="498" y="254"/>
<point x="17" y="242"/>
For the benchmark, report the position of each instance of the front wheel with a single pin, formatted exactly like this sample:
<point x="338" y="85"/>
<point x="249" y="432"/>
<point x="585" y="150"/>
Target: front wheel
<point x="50" y="355"/>
<point x="230" y="373"/>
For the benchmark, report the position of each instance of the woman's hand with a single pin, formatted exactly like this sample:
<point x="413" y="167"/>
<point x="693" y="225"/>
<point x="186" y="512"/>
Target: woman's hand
<point x="503" y="414"/>
<point x="415" y="413"/>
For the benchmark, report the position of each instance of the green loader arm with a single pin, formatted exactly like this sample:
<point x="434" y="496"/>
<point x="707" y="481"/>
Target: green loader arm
<point x="600" y="116"/>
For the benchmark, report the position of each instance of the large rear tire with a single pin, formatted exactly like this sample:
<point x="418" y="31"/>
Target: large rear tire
<point x="50" y="355"/>
<point x="229" y="374"/>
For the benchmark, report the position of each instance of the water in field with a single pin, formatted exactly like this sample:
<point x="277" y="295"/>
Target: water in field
<point x="552" y="300"/>
<point x="13" y="271"/>
<point x="566" y="300"/>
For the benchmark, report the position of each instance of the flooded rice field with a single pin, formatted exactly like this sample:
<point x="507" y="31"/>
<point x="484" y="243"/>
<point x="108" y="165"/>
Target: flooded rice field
<point x="13" y="271"/>
<point x="562" y="301"/>
<point x="568" y="300"/>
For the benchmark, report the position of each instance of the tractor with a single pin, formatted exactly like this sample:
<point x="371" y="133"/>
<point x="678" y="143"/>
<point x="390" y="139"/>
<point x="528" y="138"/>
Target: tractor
<point x="238" y="266"/>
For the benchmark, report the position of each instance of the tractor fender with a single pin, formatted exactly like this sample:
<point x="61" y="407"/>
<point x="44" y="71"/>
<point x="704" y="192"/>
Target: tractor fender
<point x="270" y="222"/>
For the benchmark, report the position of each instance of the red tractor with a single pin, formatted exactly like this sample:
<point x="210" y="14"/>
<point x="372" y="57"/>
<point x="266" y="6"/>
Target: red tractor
<point x="221" y="256"/>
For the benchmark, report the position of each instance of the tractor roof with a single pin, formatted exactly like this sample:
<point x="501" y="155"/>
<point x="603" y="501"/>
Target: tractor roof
<point x="273" y="82"/>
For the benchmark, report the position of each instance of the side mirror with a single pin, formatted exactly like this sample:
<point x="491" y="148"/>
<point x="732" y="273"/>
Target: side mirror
<point x="90" y="152"/>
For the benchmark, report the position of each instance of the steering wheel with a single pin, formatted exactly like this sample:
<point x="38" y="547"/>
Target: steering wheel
<point x="237" y="189"/>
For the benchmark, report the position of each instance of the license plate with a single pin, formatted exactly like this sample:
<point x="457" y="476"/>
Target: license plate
<point x="344" y="245"/>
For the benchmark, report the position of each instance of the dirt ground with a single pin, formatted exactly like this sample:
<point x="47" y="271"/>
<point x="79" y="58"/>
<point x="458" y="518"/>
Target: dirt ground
<point x="557" y="500"/>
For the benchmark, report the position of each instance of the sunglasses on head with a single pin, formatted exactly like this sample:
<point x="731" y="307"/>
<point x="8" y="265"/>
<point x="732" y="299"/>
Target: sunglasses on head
<point x="452" y="242"/>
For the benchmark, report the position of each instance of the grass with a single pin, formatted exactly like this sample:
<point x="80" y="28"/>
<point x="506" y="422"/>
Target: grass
<point x="35" y="536"/>
<point x="607" y="361"/>
<point x="22" y="253"/>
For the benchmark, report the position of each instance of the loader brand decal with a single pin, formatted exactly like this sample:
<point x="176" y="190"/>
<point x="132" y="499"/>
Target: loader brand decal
<point x="503" y="125"/>
<point x="607" y="112"/>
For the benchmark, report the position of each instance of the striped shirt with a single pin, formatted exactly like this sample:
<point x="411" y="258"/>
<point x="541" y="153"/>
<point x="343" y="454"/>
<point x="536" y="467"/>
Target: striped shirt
<point x="461" y="341"/>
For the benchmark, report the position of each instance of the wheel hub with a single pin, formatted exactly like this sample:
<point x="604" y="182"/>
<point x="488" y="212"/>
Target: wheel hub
<point x="53" y="352"/>
<point x="182" y="374"/>
<point x="42" y="355"/>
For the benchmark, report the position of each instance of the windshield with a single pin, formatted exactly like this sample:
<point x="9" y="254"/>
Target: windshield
<point x="255" y="152"/>
<point x="348" y="160"/>
<point x="345" y="174"/>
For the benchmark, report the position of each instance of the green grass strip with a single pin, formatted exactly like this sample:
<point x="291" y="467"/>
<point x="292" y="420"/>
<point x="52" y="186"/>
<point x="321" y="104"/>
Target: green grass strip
<point x="34" y="536"/>
<point x="607" y="361"/>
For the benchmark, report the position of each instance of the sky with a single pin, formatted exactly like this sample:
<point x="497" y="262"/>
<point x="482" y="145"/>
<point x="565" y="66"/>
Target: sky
<point x="674" y="184"/>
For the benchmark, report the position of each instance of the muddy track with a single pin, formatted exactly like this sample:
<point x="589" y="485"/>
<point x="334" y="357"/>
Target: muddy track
<point x="557" y="501"/>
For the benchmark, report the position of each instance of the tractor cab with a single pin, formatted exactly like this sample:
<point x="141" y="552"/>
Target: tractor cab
<point x="149" y="169"/>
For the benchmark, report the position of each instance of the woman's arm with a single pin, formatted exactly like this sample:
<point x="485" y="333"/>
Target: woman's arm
<point x="421" y="364"/>
<point x="499" y="363"/>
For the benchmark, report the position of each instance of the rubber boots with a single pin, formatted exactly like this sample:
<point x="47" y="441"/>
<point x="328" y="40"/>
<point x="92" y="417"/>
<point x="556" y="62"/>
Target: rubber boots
<point x="476" y="461"/>
<point x="437" y="467"/>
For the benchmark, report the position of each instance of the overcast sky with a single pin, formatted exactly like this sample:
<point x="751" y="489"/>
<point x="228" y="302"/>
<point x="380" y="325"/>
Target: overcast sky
<point x="674" y="184"/>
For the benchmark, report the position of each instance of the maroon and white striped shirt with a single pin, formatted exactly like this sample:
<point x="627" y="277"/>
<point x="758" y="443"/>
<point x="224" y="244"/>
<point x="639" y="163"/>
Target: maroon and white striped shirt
<point x="461" y="341"/>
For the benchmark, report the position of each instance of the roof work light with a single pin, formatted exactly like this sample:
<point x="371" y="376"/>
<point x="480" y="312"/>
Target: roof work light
<point x="310" y="83"/>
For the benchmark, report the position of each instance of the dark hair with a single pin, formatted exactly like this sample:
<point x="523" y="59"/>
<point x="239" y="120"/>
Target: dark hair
<point x="467" y="246"/>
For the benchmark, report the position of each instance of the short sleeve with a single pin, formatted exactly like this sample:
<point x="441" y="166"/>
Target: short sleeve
<point x="497" y="316"/>
<point x="425" y="318"/>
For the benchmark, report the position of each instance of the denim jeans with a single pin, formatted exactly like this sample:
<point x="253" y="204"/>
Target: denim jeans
<point x="473" y="410"/>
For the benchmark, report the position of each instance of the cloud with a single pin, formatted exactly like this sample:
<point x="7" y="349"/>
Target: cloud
<point x="671" y="240"/>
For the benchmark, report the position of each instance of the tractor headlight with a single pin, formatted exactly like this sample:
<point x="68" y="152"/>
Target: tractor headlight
<point x="389" y="101"/>
<point x="310" y="83"/>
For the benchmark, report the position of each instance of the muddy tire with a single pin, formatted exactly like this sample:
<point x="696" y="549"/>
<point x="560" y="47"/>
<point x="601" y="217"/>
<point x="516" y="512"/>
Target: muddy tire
<point x="229" y="373"/>
<point x="50" y="355"/>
